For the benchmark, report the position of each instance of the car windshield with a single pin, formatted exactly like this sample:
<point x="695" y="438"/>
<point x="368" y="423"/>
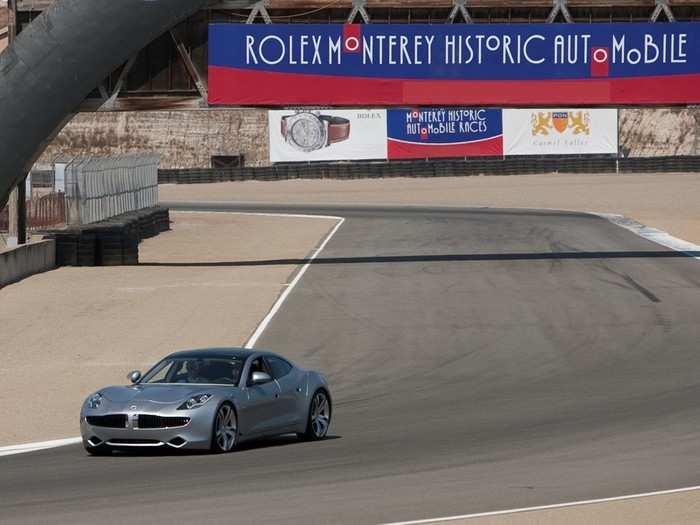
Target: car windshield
<point x="196" y="370"/>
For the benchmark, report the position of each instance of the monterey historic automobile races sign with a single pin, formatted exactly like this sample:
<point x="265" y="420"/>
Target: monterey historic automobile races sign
<point x="429" y="133"/>
<point x="475" y="64"/>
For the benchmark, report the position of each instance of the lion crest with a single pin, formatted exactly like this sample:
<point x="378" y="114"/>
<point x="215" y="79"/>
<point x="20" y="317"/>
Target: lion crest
<point x="541" y="123"/>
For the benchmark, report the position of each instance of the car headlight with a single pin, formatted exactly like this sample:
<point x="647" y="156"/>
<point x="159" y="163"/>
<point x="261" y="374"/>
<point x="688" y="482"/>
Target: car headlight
<point x="195" y="402"/>
<point x="94" y="401"/>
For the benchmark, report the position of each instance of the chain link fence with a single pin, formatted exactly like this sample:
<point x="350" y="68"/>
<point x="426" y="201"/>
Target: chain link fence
<point x="100" y="188"/>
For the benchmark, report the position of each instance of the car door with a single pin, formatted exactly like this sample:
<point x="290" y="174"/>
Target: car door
<point x="262" y="405"/>
<point x="291" y="384"/>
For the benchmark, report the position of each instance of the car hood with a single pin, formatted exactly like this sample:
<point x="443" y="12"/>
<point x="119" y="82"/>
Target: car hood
<point x="155" y="393"/>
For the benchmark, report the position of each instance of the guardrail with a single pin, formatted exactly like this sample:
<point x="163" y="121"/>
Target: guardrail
<point x="452" y="168"/>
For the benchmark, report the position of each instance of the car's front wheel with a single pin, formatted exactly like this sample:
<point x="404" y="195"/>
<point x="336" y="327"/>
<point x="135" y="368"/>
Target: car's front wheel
<point x="225" y="432"/>
<point x="319" y="417"/>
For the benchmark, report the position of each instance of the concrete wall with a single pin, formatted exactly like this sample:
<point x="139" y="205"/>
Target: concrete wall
<point x="29" y="259"/>
<point x="189" y="138"/>
<point x="184" y="139"/>
<point x="654" y="132"/>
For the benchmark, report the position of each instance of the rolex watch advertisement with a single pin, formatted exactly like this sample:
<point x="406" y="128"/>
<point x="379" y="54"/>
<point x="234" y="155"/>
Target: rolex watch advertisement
<point x="322" y="135"/>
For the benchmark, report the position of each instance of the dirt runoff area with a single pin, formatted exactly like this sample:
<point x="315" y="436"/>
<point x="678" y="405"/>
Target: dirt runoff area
<point x="67" y="332"/>
<point x="668" y="201"/>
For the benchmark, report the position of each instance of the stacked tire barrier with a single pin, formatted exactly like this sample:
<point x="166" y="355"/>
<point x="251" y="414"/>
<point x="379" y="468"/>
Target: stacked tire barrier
<point x="453" y="168"/>
<point x="112" y="242"/>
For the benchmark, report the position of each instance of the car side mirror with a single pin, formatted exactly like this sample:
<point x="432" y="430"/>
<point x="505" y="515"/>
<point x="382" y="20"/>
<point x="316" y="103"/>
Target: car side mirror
<point x="260" y="378"/>
<point x="134" y="376"/>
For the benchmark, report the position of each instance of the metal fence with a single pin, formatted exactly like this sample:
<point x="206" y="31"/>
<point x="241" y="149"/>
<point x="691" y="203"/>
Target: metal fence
<point x="42" y="212"/>
<point x="100" y="188"/>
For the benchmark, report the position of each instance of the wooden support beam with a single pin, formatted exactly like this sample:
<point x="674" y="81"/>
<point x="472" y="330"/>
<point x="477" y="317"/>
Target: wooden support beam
<point x="120" y="84"/>
<point x="260" y="8"/>
<point x="662" y="7"/>
<point x="359" y="7"/>
<point x="559" y="7"/>
<point x="199" y="80"/>
<point x="460" y="7"/>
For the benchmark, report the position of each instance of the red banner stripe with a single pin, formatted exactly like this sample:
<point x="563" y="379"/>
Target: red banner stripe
<point x="485" y="148"/>
<point x="230" y="86"/>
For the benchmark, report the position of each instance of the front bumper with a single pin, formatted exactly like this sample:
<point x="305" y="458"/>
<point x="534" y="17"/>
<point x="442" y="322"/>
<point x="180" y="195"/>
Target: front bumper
<point x="195" y="435"/>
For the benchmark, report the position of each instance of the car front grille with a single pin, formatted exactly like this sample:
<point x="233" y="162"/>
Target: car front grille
<point x="108" y="421"/>
<point x="151" y="421"/>
<point x="134" y="442"/>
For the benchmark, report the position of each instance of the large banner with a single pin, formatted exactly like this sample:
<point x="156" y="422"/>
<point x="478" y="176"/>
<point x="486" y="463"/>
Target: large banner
<point x="559" y="131"/>
<point x="425" y="133"/>
<point x="305" y="136"/>
<point x="454" y="64"/>
<point x="379" y="134"/>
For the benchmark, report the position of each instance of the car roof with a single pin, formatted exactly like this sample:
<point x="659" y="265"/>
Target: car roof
<point x="239" y="353"/>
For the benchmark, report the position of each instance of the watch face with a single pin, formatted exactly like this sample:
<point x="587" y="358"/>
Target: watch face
<point x="307" y="132"/>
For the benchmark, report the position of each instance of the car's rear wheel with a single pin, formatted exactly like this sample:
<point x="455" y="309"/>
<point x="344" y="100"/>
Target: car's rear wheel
<point x="225" y="432"/>
<point x="319" y="417"/>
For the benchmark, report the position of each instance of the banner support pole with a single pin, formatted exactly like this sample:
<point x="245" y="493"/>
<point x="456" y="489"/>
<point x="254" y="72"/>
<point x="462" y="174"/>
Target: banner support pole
<point x="662" y="6"/>
<point x="359" y="7"/>
<point x="460" y="7"/>
<point x="259" y="8"/>
<point x="560" y="6"/>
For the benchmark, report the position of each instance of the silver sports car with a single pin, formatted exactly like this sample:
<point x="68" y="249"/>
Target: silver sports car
<point x="208" y="399"/>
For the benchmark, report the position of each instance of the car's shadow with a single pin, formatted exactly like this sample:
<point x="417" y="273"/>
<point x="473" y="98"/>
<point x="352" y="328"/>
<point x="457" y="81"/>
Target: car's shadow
<point x="248" y="446"/>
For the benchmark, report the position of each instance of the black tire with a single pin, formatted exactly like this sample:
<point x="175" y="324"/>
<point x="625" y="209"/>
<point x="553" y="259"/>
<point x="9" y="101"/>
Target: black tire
<point x="313" y="431"/>
<point x="217" y="445"/>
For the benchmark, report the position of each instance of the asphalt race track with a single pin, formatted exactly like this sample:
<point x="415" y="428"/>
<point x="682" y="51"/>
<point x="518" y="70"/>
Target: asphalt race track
<point x="480" y="360"/>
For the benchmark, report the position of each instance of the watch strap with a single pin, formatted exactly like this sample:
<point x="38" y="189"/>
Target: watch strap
<point x="338" y="128"/>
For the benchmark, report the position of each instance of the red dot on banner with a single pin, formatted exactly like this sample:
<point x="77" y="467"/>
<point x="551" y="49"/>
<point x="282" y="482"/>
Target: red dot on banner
<point x="352" y="43"/>
<point x="424" y="130"/>
<point x="414" y="114"/>
<point x="600" y="55"/>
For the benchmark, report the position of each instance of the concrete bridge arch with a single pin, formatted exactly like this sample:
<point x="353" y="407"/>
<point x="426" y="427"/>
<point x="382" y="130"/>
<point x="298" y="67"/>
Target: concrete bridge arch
<point x="61" y="57"/>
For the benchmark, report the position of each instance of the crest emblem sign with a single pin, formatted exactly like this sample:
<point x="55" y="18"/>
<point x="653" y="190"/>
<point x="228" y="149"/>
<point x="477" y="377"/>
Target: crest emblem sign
<point x="560" y="119"/>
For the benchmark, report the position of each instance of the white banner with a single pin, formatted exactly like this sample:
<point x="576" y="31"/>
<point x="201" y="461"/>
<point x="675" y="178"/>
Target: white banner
<point x="559" y="131"/>
<point x="305" y="136"/>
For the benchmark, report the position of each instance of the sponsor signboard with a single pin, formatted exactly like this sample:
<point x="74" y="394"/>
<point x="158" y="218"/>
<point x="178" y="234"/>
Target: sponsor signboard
<point x="559" y="131"/>
<point x="305" y="136"/>
<point x="454" y="64"/>
<point x="423" y="133"/>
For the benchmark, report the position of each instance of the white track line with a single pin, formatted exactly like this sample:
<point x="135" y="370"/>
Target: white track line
<point x="43" y="445"/>
<point x="33" y="447"/>
<point x="263" y="325"/>
<point x="261" y="214"/>
<point x="544" y="507"/>
<point x="652" y="234"/>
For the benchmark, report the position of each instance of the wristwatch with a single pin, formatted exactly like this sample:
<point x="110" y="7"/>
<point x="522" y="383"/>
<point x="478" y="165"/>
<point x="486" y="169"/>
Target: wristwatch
<point x="310" y="131"/>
